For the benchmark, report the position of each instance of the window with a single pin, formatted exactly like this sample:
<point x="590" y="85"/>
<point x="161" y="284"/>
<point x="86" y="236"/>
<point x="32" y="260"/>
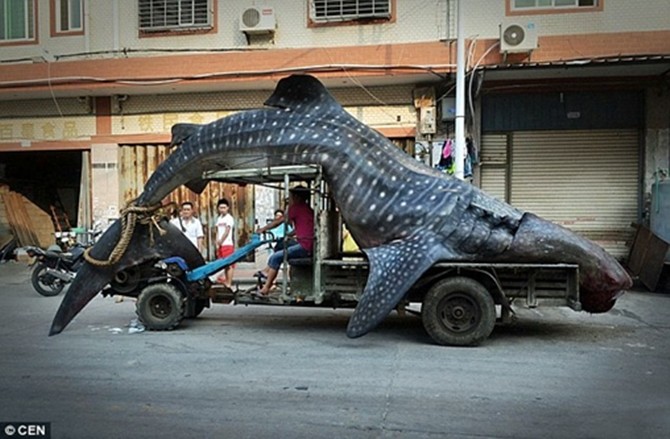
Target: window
<point x="69" y="15"/>
<point x="17" y="20"/>
<point x="549" y="4"/>
<point x="347" y="10"/>
<point x="162" y="15"/>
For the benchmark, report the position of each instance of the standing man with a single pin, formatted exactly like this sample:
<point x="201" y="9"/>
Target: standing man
<point x="225" y="227"/>
<point x="190" y="225"/>
<point x="301" y="216"/>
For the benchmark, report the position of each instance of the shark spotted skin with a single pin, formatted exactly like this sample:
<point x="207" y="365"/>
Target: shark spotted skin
<point x="406" y="216"/>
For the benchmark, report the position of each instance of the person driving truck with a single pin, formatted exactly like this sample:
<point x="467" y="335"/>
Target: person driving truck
<point x="301" y="217"/>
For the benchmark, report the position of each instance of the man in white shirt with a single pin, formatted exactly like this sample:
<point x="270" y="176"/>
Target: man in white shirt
<point x="225" y="228"/>
<point x="190" y="225"/>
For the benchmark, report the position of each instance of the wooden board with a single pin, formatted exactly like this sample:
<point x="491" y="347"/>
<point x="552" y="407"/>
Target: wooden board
<point x="24" y="220"/>
<point x="647" y="257"/>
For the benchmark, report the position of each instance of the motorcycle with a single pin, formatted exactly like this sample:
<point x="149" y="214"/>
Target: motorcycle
<point x="57" y="266"/>
<point x="53" y="268"/>
<point x="66" y="240"/>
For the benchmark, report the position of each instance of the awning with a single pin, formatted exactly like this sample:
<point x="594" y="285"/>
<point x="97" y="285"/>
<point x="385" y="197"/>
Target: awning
<point x="613" y="66"/>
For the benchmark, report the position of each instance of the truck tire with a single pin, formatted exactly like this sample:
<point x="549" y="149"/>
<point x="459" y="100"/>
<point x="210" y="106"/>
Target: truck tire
<point x="458" y="311"/>
<point x="160" y="307"/>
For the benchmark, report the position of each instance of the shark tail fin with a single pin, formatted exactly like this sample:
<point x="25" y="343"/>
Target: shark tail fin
<point x="394" y="268"/>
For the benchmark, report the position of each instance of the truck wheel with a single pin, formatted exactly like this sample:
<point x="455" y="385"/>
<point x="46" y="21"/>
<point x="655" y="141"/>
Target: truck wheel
<point x="160" y="307"/>
<point x="458" y="311"/>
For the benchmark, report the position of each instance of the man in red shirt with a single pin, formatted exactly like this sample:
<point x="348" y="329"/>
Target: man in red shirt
<point x="302" y="218"/>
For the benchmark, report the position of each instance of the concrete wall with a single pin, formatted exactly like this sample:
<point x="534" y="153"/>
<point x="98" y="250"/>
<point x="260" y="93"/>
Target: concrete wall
<point x="482" y="18"/>
<point x="412" y="24"/>
<point x="105" y="183"/>
<point x="112" y="25"/>
<point x="657" y="137"/>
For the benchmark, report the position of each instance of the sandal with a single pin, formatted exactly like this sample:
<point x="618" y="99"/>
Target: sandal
<point x="257" y="293"/>
<point x="260" y="275"/>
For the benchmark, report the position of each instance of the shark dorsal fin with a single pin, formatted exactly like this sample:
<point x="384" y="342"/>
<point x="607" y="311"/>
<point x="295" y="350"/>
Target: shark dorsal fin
<point x="197" y="185"/>
<point x="182" y="131"/>
<point x="298" y="91"/>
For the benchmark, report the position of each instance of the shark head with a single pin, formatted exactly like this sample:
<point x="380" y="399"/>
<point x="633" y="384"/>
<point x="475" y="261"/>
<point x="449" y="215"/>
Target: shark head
<point x="602" y="278"/>
<point x="146" y="243"/>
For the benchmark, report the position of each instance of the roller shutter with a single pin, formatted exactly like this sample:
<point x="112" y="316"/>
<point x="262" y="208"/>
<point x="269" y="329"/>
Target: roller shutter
<point x="494" y="165"/>
<point x="586" y="180"/>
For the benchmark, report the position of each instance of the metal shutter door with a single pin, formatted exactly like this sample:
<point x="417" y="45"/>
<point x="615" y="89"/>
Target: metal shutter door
<point x="585" y="180"/>
<point x="493" y="165"/>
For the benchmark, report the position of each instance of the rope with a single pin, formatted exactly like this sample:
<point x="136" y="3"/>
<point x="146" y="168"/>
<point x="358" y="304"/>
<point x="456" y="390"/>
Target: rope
<point x="131" y="215"/>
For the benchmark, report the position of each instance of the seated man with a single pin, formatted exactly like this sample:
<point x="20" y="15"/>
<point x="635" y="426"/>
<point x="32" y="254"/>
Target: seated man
<point x="301" y="217"/>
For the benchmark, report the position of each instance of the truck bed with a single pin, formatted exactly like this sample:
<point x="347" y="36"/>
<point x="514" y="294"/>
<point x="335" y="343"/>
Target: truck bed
<point x="535" y="284"/>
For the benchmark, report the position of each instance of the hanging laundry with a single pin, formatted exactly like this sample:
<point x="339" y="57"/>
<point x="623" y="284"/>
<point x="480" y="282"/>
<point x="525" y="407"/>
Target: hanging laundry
<point x="470" y="158"/>
<point x="446" y="163"/>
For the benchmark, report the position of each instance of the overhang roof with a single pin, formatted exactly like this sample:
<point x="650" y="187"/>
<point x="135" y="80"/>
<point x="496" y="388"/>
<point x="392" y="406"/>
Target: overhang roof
<point x="653" y="65"/>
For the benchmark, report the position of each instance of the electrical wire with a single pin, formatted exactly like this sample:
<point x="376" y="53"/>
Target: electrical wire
<point x="433" y="69"/>
<point x="51" y="90"/>
<point x="473" y="72"/>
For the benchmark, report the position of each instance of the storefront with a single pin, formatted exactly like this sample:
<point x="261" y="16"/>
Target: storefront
<point x="571" y="157"/>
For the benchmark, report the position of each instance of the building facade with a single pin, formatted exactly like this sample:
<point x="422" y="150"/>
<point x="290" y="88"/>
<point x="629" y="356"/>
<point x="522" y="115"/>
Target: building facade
<point x="568" y="105"/>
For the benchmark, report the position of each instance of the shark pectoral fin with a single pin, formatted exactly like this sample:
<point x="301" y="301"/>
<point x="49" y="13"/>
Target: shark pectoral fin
<point x="182" y="131"/>
<point x="197" y="185"/>
<point x="394" y="268"/>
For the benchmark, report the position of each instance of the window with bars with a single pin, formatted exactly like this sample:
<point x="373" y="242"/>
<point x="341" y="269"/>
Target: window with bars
<point x="17" y="20"/>
<point x="550" y="4"/>
<point x="69" y="15"/>
<point x="166" y="15"/>
<point x="347" y="10"/>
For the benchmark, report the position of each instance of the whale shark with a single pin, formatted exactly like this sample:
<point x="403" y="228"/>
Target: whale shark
<point x="405" y="215"/>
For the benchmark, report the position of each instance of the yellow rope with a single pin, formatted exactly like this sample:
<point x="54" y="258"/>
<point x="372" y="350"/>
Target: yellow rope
<point x="131" y="215"/>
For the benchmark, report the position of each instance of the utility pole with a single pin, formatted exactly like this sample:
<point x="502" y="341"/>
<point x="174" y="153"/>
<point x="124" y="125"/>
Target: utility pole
<point x="459" y="152"/>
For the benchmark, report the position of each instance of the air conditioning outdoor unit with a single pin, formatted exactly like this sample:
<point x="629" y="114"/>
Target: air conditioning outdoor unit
<point x="518" y="37"/>
<point x="258" y="20"/>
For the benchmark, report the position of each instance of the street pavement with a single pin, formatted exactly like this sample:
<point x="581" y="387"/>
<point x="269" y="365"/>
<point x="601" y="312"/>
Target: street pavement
<point x="279" y="372"/>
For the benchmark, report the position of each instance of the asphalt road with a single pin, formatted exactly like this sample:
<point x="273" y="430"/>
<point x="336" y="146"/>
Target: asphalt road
<point x="269" y="372"/>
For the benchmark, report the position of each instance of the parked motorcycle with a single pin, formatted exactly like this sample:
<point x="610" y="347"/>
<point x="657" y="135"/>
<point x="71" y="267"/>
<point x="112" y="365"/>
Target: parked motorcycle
<point x="53" y="268"/>
<point x="57" y="266"/>
<point x="66" y="240"/>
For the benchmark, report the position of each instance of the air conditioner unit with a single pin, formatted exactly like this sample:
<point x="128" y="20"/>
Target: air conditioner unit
<point x="258" y="20"/>
<point x="518" y="37"/>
